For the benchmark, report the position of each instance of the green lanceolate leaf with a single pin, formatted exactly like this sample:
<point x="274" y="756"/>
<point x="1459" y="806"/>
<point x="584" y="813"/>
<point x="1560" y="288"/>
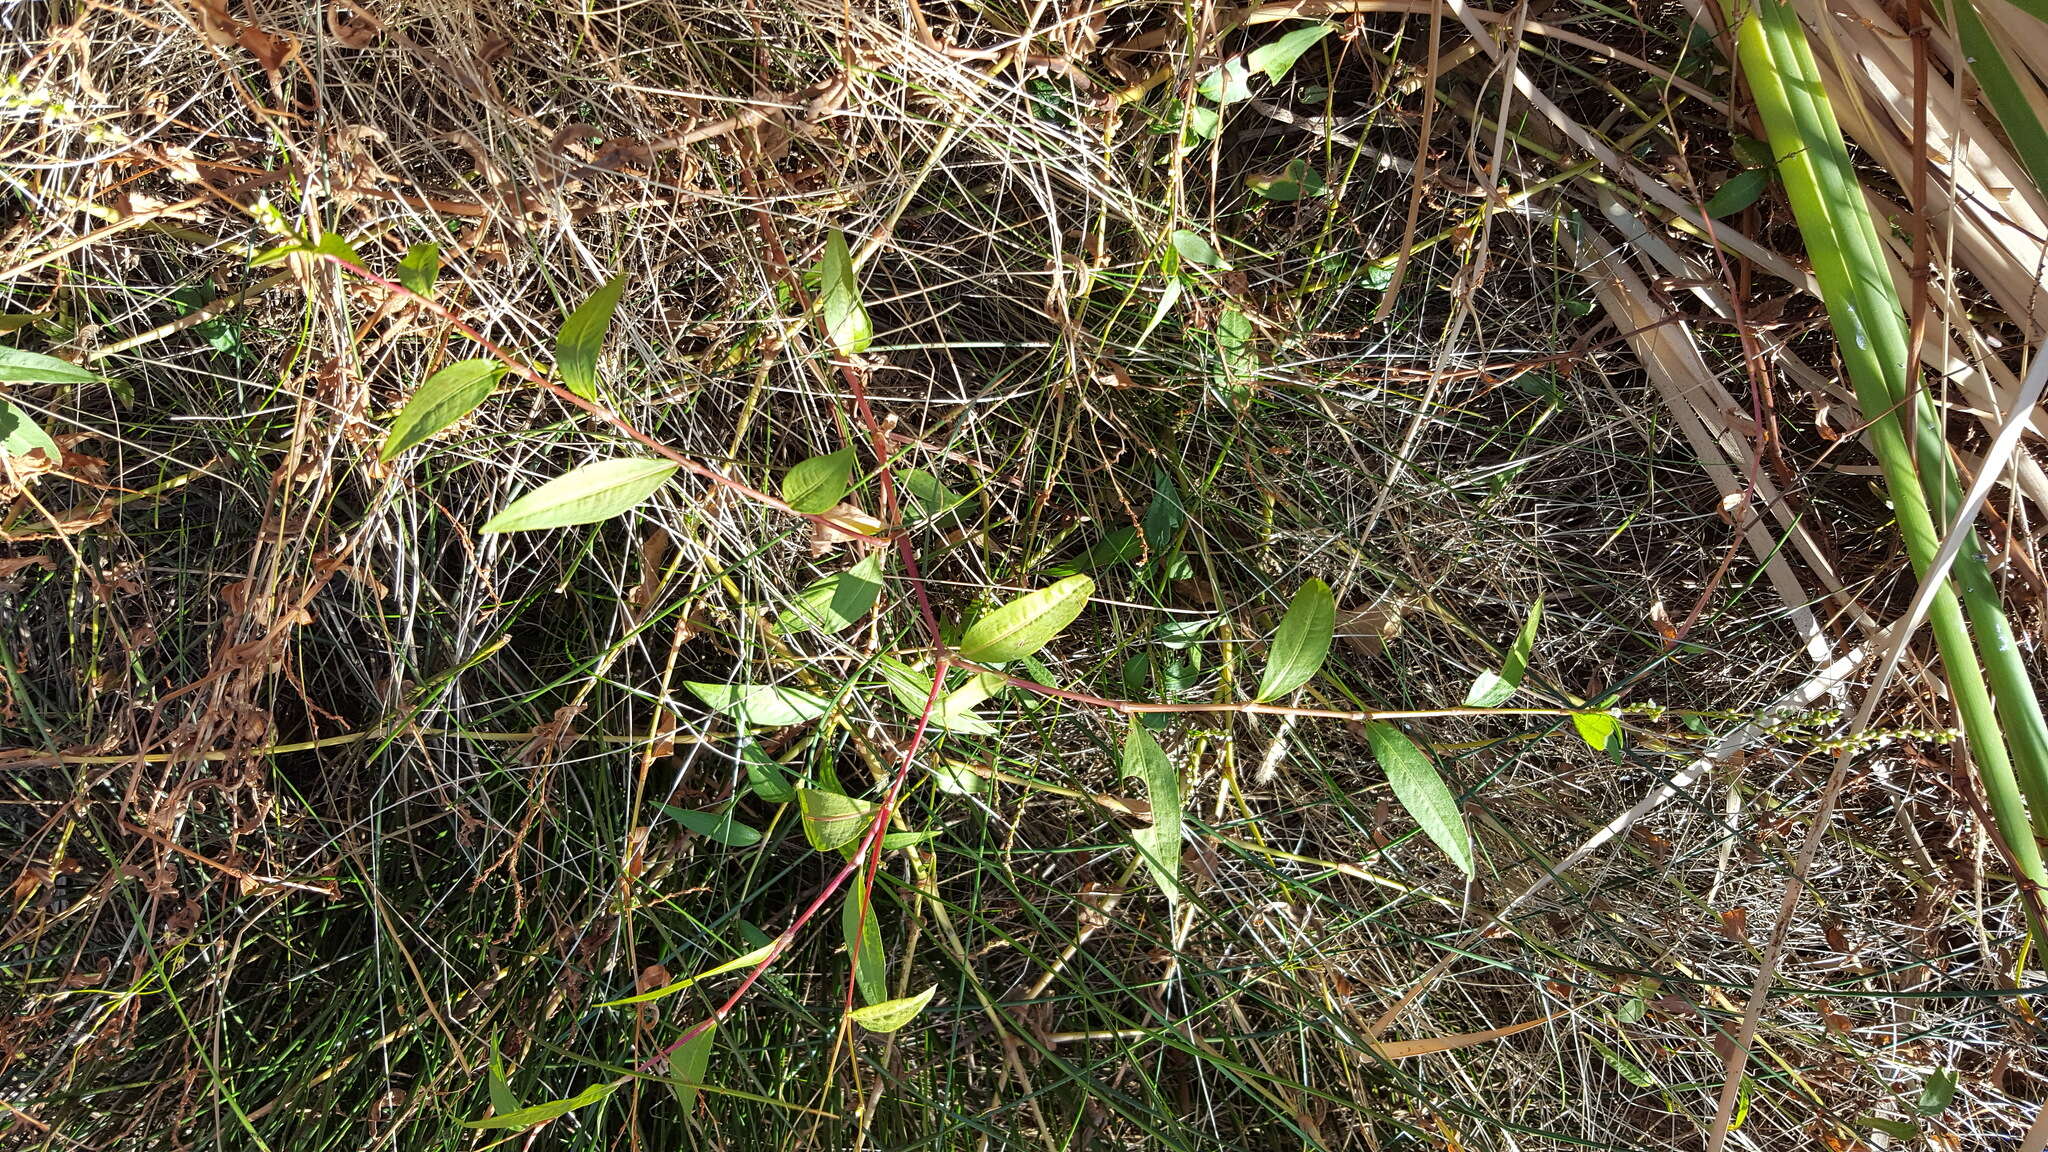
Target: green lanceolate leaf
<point x="1421" y="791"/>
<point x="19" y="367"/>
<point x="582" y="338"/>
<point x="20" y="435"/>
<point x="539" y="1113"/>
<point x="954" y="712"/>
<point x="719" y="826"/>
<point x="1935" y="1092"/>
<point x="764" y="775"/>
<point x="584" y="495"/>
<point x="1740" y="191"/>
<point x="819" y="483"/>
<point x="932" y="496"/>
<point x="765" y="705"/>
<point x="735" y="964"/>
<point x="1492" y="689"/>
<point x="890" y="1015"/>
<point x="687" y="1065"/>
<point x="1117" y="544"/>
<point x="503" y="1102"/>
<point x="839" y="307"/>
<point x="1297" y="181"/>
<point x="1028" y="623"/>
<point x="1159" y="842"/>
<point x="864" y="944"/>
<point x="832" y="821"/>
<point x="1302" y="643"/>
<point x="447" y="396"/>
<point x="1195" y="250"/>
<point x="836" y="602"/>
<point x="420" y="268"/>
<point x="1276" y="58"/>
<point x="1229" y="82"/>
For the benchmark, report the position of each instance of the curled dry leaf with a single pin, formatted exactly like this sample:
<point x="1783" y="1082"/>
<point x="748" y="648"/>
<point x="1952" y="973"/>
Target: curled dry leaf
<point x="352" y="27"/>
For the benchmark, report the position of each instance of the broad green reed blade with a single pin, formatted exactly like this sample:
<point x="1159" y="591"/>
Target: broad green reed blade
<point x="2007" y="737"/>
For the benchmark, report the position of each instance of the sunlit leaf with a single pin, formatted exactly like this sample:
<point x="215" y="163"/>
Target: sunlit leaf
<point x="1228" y="82"/>
<point x="1028" y="623"/>
<point x="687" y="1065"/>
<point x="582" y="338"/>
<point x="890" y="1015"/>
<point x="839" y="307"/>
<point x="1158" y="842"/>
<point x="766" y="705"/>
<point x="1492" y="689"/>
<point x="747" y="961"/>
<point x="864" y="944"/>
<point x="932" y="497"/>
<point x="912" y="689"/>
<point x="584" y="495"/>
<point x="22" y="367"/>
<point x="539" y="1113"/>
<point x="1196" y="250"/>
<point x="20" y="435"/>
<point x="1302" y="642"/>
<point x="1276" y="57"/>
<point x="832" y="821"/>
<point x="836" y="602"/>
<point x="1421" y="791"/>
<point x="764" y="775"/>
<point x="1297" y="181"/>
<point x="420" y="268"/>
<point x="1935" y="1092"/>
<point x="1600" y="730"/>
<point x="503" y="1102"/>
<point x="447" y="396"/>
<point x="818" y="484"/>
<point x="719" y="826"/>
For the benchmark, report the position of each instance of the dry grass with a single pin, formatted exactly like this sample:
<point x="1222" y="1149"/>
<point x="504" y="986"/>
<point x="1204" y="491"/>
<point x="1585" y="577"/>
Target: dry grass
<point x="316" y="794"/>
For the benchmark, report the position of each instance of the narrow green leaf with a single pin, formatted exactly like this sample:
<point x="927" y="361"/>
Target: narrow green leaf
<point x="1898" y="1129"/>
<point x="839" y="307"/>
<point x="1935" y="1092"/>
<point x="1028" y="623"/>
<point x="837" y="602"/>
<point x="832" y="821"/>
<point x="582" y="338"/>
<point x="1629" y="1069"/>
<point x="1738" y="192"/>
<point x="1421" y="791"/>
<point x="864" y="944"/>
<point x="1276" y="57"/>
<point x="747" y="961"/>
<point x="20" y="435"/>
<point x="890" y="1015"/>
<point x="21" y="367"/>
<point x="766" y="705"/>
<point x="764" y="775"/>
<point x="1195" y="250"/>
<point x="584" y="495"/>
<point x="540" y="1113"/>
<point x="1491" y="689"/>
<point x="447" y="396"/>
<point x="420" y="269"/>
<point x="719" y="826"/>
<point x="891" y="841"/>
<point x="503" y="1102"/>
<point x="1159" y="842"/>
<point x="688" y="1063"/>
<point x="817" y="484"/>
<point x="912" y="688"/>
<point x="1302" y="642"/>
